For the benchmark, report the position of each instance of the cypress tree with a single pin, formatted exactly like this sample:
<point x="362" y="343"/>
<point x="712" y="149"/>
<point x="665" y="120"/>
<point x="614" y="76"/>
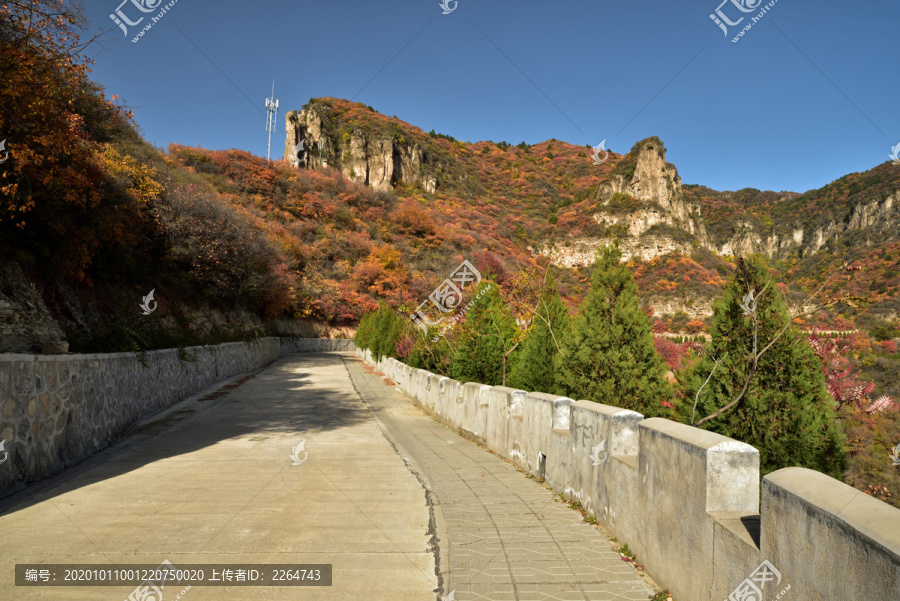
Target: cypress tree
<point x="432" y="356"/>
<point x="364" y="330"/>
<point x="610" y="357"/>
<point x="385" y="331"/>
<point x="786" y="411"/>
<point x="487" y="333"/>
<point x="536" y="363"/>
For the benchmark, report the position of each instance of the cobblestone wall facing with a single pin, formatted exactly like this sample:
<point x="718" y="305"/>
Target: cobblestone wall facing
<point x="56" y="410"/>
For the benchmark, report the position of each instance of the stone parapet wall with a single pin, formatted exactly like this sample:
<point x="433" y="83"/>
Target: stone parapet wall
<point x="57" y="410"/>
<point x="686" y="500"/>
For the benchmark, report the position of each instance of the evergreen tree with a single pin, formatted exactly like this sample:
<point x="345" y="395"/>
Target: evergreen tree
<point x="758" y="358"/>
<point x="487" y="333"/>
<point x="535" y="366"/>
<point x="364" y="330"/>
<point x="610" y="357"/>
<point x="385" y="332"/>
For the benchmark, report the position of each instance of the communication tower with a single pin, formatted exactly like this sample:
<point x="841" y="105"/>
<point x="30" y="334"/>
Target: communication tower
<point x="271" y="115"/>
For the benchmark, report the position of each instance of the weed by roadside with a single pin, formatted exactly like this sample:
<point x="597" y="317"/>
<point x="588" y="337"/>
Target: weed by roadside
<point x="590" y="518"/>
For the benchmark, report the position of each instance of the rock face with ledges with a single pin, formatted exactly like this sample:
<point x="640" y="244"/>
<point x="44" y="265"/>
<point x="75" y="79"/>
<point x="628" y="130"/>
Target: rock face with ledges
<point x="25" y="323"/>
<point x="657" y="200"/>
<point x="373" y="158"/>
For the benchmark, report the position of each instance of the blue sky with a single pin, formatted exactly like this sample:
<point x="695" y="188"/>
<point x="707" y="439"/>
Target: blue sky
<point x="808" y="94"/>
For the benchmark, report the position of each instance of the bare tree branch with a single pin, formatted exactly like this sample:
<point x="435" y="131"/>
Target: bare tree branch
<point x="697" y="398"/>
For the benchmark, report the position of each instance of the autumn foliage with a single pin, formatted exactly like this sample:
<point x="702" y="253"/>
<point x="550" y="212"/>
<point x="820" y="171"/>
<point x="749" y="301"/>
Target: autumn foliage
<point x="842" y="378"/>
<point x="53" y="197"/>
<point x="674" y="352"/>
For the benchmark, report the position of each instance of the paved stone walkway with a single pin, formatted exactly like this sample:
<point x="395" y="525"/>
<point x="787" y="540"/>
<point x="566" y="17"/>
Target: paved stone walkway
<point x="403" y="508"/>
<point x="509" y="537"/>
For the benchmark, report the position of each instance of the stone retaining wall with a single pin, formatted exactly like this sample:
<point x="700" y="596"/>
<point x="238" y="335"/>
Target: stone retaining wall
<point x="316" y="345"/>
<point x="684" y="499"/>
<point x="57" y="410"/>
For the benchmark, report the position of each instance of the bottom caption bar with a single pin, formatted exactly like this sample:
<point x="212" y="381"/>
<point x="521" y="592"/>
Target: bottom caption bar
<point x="155" y="578"/>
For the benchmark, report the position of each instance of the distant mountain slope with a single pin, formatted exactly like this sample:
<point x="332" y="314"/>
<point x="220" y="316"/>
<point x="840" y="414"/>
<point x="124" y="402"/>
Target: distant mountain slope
<point x="863" y="208"/>
<point x="552" y="200"/>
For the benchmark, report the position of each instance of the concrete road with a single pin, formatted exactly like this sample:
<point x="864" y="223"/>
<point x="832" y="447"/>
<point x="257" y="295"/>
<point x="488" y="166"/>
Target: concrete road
<point x="401" y="507"/>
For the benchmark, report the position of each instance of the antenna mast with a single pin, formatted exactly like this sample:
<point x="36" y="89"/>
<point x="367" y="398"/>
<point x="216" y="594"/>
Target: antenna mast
<point x="271" y="116"/>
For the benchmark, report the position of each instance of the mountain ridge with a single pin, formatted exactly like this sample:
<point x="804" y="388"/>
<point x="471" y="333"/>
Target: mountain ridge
<point x="383" y="152"/>
<point x="565" y="206"/>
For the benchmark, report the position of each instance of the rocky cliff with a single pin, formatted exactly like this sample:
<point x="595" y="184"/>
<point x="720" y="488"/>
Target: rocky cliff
<point x="26" y="325"/>
<point x="578" y="252"/>
<point x="875" y="221"/>
<point x="378" y="156"/>
<point x="641" y="203"/>
<point x="645" y="175"/>
<point x="858" y="210"/>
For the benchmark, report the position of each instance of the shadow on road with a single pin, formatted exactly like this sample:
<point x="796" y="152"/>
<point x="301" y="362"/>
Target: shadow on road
<point x="296" y="396"/>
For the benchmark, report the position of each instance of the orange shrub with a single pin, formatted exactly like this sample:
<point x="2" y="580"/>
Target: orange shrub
<point x="695" y="326"/>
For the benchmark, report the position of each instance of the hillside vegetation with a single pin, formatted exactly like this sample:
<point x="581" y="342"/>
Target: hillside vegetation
<point x="234" y="247"/>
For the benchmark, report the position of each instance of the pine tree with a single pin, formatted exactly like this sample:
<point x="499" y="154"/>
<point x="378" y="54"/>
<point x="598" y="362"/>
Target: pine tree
<point x="488" y="332"/>
<point x="536" y="364"/>
<point x="609" y="357"/>
<point x="785" y="410"/>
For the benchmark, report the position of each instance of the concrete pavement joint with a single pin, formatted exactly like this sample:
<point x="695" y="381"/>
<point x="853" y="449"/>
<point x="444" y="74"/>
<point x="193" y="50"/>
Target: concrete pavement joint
<point x="431" y="499"/>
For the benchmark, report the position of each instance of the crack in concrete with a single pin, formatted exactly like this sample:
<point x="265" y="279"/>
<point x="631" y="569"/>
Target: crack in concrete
<point x="431" y="500"/>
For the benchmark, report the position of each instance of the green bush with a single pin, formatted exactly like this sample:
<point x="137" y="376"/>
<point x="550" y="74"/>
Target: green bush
<point x="884" y="331"/>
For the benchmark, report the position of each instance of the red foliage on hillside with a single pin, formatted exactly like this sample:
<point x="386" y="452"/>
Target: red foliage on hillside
<point x="673" y="352"/>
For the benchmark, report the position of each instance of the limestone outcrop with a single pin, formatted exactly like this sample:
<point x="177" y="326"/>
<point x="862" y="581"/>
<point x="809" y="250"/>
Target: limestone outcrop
<point x="375" y="159"/>
<point x="875" y="218"/>
<point x="656" y="199"/>
<point x="642" y="204"/>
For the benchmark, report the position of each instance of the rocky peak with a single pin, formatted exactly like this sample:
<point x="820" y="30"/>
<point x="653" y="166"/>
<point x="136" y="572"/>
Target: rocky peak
<point x="378" y="157"/>
<point x="644" y="174"/>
